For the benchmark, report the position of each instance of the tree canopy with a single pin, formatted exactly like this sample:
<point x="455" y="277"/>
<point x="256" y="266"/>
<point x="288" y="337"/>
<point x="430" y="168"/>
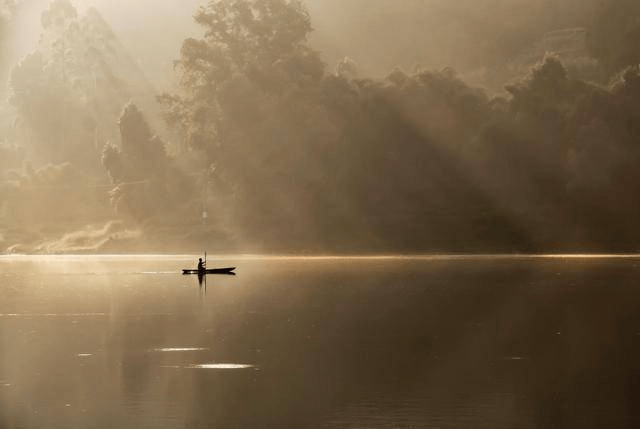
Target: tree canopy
<point x="284" y="153"/>
<point x="251" y="50"/>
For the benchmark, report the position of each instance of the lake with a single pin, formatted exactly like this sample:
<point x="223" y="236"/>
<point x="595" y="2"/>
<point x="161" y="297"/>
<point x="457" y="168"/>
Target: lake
<point x="431" y="342"/>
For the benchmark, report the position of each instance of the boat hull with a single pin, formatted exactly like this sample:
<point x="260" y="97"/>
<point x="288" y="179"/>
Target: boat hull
<point x="227" y="270"/>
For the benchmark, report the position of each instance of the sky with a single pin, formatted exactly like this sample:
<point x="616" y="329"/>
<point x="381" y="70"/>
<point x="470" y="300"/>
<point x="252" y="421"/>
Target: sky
<point x="153" y="31"/>
<point x="430" y="34"/>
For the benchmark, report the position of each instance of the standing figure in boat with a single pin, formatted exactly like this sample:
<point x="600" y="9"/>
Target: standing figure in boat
<point x="201" y="266"/>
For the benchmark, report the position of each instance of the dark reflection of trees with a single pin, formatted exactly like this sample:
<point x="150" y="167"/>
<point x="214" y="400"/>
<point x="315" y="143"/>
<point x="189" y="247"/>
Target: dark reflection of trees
<point x="563" y="346"/>
<point x="586" y="378"/>
<point x="4" y="405"/>
<point x="134" y="340"/>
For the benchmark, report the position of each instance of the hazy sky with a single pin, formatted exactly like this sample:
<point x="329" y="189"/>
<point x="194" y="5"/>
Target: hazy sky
<point x="378" y="35"/>
<point x="153" y="31"/>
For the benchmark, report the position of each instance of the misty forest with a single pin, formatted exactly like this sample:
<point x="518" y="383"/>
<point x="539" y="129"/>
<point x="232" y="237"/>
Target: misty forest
<point x="514" y="127"/>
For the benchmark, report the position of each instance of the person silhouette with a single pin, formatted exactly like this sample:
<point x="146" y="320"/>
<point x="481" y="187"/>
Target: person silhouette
<point x="201" y="266"/>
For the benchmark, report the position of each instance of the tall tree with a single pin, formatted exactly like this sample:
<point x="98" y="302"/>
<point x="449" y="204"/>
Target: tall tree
<point x="147" y="183"/>
<point x="252" y="50"/>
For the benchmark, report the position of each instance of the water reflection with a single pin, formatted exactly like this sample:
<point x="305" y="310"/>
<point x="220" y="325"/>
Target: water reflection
<point x="451" y="343"/>
<point x="202" y="278"/>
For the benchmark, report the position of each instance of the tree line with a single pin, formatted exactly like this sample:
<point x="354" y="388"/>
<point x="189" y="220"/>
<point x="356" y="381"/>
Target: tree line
<point x="285" y="153"/>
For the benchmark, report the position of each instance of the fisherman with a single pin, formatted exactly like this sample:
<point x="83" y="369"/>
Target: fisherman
<point x="201" y="267"/>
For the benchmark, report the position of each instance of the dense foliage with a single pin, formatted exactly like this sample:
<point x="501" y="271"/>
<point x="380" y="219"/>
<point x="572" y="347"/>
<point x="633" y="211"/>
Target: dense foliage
<point x="67" y="95"/>
<point x="411" y="162"/>
<point x="276" y="151"/>
<point x="147" y="182"/>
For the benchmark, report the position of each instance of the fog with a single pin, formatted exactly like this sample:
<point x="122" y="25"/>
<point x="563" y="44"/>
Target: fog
<point x="319" y="127"/>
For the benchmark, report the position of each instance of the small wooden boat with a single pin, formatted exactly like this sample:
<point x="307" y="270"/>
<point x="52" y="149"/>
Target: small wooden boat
<point x="227" y="270"/>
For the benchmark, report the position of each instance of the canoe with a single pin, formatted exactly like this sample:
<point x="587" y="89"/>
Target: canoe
<point x="227" y="270"/>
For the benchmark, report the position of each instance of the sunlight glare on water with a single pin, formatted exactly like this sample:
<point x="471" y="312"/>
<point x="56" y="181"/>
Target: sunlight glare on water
<point x="179" y="349"/>
<point x="221" y="366"/>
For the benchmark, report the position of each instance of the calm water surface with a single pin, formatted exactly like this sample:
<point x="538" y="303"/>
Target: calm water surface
<point x="128" y="342"/>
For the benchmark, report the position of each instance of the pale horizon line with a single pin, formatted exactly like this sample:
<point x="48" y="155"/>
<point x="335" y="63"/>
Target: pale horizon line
<point x="389" y="256"/>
